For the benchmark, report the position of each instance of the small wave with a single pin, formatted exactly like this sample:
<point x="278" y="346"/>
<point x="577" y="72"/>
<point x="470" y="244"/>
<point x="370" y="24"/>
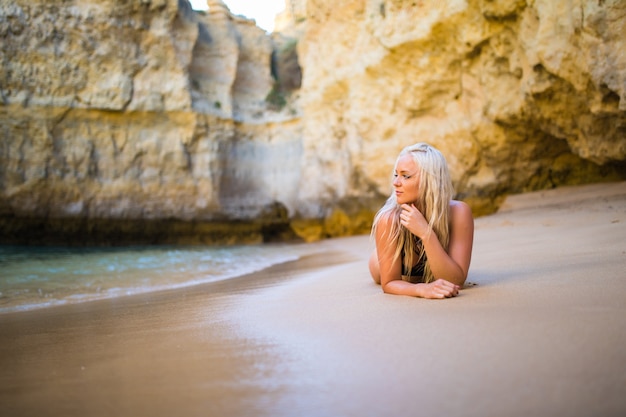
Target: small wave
<point x="34" y="278"/>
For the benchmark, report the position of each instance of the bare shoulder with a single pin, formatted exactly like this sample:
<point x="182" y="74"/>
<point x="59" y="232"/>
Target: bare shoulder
<point x="384" y="226"/>
<point x="384" y="222"/>
<point x="460" y="211"/>
<point x="386" y="219"/>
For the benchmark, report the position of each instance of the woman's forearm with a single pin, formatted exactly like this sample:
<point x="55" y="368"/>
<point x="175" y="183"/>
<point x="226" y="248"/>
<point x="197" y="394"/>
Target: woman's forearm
<point x="437" y="289"/>
<point x="441" y="263"/>
<point x="399" y="287"/>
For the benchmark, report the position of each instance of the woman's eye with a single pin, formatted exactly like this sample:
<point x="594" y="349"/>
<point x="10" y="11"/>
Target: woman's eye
<point x="406" y="177"/>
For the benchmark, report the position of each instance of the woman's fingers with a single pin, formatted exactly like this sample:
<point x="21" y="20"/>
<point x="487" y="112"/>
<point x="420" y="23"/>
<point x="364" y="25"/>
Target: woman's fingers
<point x="407" y="210"/>
<point x="445" y="289"/>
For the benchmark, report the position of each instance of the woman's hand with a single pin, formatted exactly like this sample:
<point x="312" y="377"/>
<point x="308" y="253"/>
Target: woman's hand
<point x="439" y="289"/>
<point x="414" y="220"/>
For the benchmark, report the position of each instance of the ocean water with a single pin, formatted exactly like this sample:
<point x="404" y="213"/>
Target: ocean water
<point x="38" y="277"/>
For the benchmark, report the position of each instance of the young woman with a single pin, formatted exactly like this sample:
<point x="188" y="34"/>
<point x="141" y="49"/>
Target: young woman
<point x="423" y="237"/>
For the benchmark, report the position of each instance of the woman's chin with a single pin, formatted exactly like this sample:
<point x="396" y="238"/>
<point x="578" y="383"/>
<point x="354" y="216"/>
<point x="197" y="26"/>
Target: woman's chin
<point x="403" y="200"/>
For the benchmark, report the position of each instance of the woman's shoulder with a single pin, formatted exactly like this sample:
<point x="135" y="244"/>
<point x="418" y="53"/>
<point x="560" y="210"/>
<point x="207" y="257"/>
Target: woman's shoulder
<point x="386" y="217"/>
<point x="460" y="209"/>
<point x="385" y="224"/>
<point x="459" y="205"/>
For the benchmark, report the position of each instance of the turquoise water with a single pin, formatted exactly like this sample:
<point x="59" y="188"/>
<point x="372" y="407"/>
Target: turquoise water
<point x="37" y="277"/>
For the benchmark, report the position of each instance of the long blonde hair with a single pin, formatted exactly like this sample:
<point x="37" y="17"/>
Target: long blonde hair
<point x="435" y="193"/>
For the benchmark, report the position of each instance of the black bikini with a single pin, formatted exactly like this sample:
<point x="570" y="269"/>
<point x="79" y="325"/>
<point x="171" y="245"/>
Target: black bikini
<point x="417" y="270"/>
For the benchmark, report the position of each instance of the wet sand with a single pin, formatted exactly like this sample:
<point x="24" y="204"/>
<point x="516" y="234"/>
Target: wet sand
<point x="542" y="333"/>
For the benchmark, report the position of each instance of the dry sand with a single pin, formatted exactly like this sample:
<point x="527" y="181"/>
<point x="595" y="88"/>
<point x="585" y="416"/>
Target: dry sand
<point x="543" y="333"/>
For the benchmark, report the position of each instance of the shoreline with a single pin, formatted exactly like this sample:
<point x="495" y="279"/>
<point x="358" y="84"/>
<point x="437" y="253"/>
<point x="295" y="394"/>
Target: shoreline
<point x="189" y="278"/>
<point x="540" y="334"/>
<point x="249" y="281"/>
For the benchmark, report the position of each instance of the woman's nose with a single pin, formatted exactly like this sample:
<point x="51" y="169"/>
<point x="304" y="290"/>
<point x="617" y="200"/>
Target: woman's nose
<point x="396" y="182"/>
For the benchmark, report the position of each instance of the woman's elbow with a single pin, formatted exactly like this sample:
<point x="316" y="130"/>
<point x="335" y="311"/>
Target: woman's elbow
<point x="393" y="287"/>
<point x="386" y="287"/>
<point x="458" y="278"/>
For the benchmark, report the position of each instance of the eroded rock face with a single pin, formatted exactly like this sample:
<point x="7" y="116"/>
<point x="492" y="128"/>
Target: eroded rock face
<point x="519" y="95"/>
<point x="146" y="121"/>
<point x="127" y="115"/>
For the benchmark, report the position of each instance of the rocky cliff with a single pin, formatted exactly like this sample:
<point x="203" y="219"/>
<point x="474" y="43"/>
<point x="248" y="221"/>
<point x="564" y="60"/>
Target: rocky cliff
<point x="145" y="121"/>
<point x="520" y="95"/>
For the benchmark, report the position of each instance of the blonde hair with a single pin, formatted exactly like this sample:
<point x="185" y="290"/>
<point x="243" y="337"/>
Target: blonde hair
<point x="435" y="192"/>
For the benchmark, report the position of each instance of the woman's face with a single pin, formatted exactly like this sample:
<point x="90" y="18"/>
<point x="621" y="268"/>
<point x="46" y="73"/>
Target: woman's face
<point x="406" y="180"/>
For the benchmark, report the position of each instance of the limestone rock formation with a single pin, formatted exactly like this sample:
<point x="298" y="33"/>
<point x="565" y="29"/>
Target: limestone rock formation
<point x="144" y="120"/>
<point x="520" y="95"/>
<point x="125" y="118"/>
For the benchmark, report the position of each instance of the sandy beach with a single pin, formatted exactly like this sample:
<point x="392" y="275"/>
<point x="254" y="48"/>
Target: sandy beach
<point x="541" y="333"/>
